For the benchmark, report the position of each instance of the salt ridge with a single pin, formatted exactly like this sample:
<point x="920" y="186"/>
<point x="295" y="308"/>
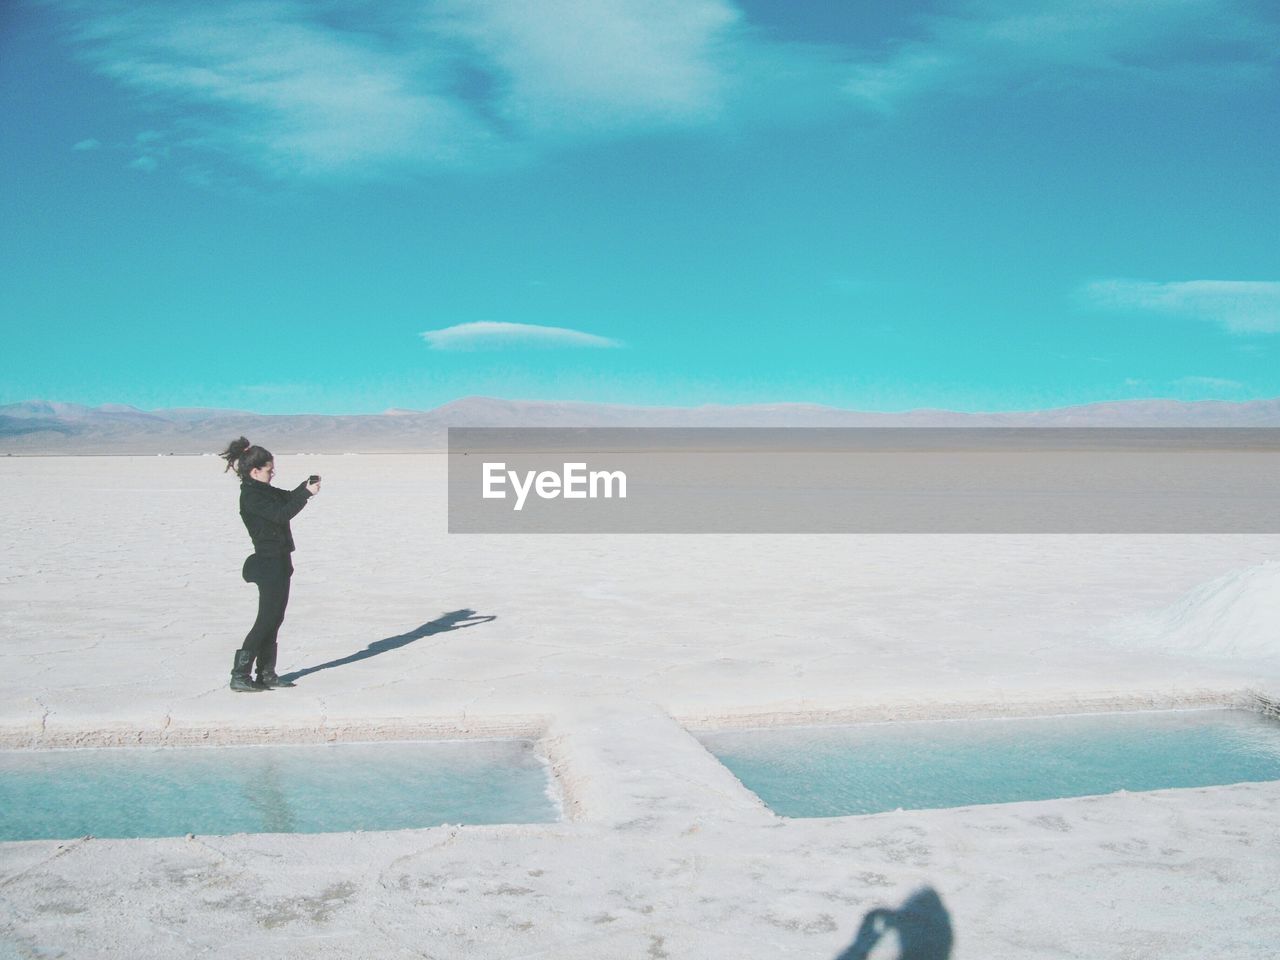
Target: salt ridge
<point x="1236" y="615"/>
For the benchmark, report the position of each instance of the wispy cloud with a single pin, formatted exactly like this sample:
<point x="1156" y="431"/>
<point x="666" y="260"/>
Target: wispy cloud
<point x="276" y="389"/>
<point x="564" y="66"/>
<point x="490" y="335"/>
<point x="1210" y="383"/>
<point x="300" y="88"/>
<point x="347" y="88"/>
<point x="980" y="44"/>
<point x="1241" y="306"/>
<point x="274" y="84"/>
<point x="89" y="144"/>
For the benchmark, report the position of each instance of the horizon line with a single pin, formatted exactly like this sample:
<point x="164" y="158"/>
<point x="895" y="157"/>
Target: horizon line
<point x="125" y="408"/>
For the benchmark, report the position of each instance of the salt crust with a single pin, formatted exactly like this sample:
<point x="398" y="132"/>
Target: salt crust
<point x="119" y="591"/>
<point x="1235" y="615"/>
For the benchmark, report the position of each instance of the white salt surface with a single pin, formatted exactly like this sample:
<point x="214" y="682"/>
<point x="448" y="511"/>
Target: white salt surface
<point x="1236" y="615"/>
<point x="121" y="604"/>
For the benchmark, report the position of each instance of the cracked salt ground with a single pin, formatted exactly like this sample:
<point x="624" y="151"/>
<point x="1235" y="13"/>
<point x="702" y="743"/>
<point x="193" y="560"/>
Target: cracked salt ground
<point x="662" y="852"/>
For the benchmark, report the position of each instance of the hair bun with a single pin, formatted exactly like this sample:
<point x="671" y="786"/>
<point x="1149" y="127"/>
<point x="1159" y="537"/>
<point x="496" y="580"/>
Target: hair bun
<point x="236" y="449"/>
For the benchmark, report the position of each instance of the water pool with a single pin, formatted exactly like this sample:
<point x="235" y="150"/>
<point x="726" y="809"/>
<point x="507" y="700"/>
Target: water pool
<point x="873" y="768"/>
<point x="172" y="791"/>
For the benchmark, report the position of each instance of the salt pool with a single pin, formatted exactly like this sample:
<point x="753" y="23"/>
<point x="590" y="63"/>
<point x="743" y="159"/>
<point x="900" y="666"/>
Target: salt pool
<point x="172" y="791"/>
<point x="873" y="768"/>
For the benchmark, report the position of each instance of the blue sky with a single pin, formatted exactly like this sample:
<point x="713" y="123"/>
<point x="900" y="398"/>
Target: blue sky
<point x="340" y="207"/>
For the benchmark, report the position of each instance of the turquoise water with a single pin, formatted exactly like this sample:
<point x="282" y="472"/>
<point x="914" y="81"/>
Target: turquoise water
<point x="173" y="791"/>
<point x="873" y="768"/>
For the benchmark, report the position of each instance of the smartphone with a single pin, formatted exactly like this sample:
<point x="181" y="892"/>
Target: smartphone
<point x="314" y="478"/>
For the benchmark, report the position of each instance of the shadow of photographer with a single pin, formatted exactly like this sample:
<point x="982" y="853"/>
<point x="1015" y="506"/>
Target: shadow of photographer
<point x="454" y="620"/>
<point x="922" y="927"/>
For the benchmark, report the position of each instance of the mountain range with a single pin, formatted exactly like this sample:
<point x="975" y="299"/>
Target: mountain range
<point x="41" y="427"/>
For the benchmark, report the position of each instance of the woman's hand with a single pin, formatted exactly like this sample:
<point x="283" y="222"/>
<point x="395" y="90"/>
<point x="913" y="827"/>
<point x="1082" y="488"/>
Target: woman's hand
<point x="313" y="488"/>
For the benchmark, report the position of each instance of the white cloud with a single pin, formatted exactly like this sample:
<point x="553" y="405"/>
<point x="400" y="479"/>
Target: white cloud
<point x="276" y="389"/>
<point x="979" y="44"/>
<point x="1210" y="383"/>
<point x="566" y="66"/>
<point x="267" y="81"/>
<point x="350" y="88"/>
<point x="1241" y="306"/>
<point x="346" y="88"/>
<point x="90" y="144"/>
<point x="147" y="164"/>
<point x="491" y="335"/>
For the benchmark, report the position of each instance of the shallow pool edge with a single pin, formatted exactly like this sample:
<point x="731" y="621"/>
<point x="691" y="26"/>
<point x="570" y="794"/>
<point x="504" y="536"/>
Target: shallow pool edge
<point x="875" y="711"/>
<point x="365" y="730"/>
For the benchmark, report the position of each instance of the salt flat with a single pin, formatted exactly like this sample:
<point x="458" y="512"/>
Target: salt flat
<point x="121" y="604"/>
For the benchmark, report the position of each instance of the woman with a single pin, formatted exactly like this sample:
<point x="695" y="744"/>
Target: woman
<point x="266" y="512"/>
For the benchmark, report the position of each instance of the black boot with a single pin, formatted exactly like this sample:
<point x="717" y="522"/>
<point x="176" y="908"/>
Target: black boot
<point x="267" y="677"/>
<point x="240" y="681"/>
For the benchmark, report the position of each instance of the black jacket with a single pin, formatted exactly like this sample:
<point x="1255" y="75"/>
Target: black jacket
<point x="266" y="512"/>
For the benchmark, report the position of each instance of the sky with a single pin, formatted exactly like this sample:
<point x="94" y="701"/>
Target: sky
<point x="332" y="206"/>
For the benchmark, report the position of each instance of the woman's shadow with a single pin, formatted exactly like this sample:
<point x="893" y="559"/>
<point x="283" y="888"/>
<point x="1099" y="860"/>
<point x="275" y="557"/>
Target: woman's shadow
<point x="454" y="620"/>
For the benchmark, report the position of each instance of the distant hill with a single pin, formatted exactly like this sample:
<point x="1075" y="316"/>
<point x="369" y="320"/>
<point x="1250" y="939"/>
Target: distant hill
<point x="41" y="427"/>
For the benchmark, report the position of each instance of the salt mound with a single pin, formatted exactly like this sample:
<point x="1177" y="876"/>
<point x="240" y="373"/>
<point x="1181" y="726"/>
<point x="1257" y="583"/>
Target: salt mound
<point x="1236" y="615"/>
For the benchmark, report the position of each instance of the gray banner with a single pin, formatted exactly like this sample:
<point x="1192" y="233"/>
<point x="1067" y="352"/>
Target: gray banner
<point x="875" y="480"/>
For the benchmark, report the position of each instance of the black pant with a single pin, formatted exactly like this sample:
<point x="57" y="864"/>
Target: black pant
<point x="271" y="574"/>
